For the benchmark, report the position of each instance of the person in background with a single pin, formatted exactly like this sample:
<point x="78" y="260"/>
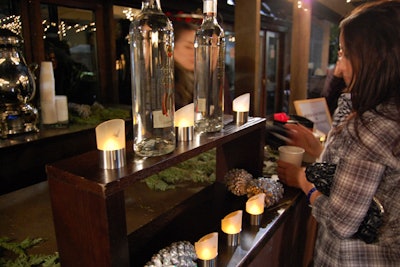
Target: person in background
<point x="334" y="86"/>
<point x="185" y="26"/>
<point x="365" y="147"/>
<point x="184" y="32"/>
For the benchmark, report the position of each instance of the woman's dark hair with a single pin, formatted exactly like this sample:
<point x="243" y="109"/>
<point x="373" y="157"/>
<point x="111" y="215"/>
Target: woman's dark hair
<point x="371" y="35"/>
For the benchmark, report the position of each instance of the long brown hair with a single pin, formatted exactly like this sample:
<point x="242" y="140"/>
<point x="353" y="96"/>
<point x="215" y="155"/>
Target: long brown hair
<point x="371" y="35"/>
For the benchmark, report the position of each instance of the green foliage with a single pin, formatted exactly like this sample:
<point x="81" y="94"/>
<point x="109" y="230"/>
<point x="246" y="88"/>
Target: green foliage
<point x="14" y="254"/>
<point x="200" y="169"/>
<point x="95" y="114"/>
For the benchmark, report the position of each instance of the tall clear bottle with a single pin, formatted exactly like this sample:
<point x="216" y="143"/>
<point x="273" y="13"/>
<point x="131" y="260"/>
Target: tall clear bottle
<point x="209" y="71"/>
<point x="153" y="105"/>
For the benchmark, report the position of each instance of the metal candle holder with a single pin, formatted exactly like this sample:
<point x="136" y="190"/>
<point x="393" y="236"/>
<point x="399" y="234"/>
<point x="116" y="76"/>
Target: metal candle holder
<point x="207" y="263"/>
<point x="240" y="117"/>
<point x="112" y="159"/>
<point x="184" y="133"/>
<point x="232" y="240"/>
<point x="255" y="219"/>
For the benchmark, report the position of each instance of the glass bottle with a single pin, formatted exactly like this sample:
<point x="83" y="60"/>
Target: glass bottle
<point x="151" y="45"/>
<point x="209" y="71"/>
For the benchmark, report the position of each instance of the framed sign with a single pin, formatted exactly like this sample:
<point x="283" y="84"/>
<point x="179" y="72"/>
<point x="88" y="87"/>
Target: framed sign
<point x="316" y="110"/>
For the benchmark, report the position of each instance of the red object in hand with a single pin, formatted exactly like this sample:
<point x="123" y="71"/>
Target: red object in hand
<point x="281" y="117"/>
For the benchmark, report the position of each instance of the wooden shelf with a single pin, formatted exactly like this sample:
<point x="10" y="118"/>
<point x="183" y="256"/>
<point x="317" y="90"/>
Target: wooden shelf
<point x="88" y="203"/>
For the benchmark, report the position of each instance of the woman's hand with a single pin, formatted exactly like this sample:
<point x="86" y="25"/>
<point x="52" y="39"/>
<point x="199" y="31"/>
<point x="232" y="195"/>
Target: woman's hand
<point x="293" y="176"/>
<point x="303" y="137"/>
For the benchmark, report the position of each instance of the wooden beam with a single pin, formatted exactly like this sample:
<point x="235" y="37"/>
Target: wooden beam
<point x="300" y="53"/>
<point x="247" y="52"/>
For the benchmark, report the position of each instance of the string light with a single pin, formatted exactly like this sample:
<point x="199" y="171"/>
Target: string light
<point x="129" y="13"/>
<point x="303" y="4"/>
<point x="299" y="4"/>
<point x="64" y="28"/>
<point x="12" y="23"/>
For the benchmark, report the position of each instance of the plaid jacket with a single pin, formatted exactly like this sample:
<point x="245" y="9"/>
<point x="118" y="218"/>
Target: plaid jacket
<point x="367" y="166"/>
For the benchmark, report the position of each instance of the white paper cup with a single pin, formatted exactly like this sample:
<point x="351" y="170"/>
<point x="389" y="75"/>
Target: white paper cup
<point x="62" y="109"/>
<point x="291" y="154"/>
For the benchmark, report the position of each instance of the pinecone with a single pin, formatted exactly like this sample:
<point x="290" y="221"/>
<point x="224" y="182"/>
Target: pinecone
<point x="237" y="181"/>
<point x="180" y="254"/>
<point x="253" y="189"/>
<point x="273" y="190"/>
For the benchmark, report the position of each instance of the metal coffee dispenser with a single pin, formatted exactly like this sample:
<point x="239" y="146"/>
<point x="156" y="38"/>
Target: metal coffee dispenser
<point x="17" y="88"/>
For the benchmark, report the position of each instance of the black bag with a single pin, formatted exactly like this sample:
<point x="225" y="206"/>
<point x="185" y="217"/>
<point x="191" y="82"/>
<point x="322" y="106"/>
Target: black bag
<point x="321" y="175"/>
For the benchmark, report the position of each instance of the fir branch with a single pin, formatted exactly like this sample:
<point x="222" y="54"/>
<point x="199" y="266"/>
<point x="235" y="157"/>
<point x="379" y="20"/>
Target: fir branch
<point x="14" y="254"/>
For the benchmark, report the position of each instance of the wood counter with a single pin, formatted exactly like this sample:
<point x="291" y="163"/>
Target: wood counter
<point x="90" y="210"/>
<point x="23" y="157"/>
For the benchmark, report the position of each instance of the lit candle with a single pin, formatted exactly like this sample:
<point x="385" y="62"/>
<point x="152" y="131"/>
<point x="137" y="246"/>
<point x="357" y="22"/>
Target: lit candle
<point x="241" y="103"/>
<point x="207" y="247"/>
<point x="184" y="117"/>
<point x="111" y="144"/>
<point x="110" y="139"/>
<point x="255" y="207"/>
<point x="232" y="225"/>
<point x="241" y="107"/>
<point x="184" y="121"/>
<point x="255" y="204"/>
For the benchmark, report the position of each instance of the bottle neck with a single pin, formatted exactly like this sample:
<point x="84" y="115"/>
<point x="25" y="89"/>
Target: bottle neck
<point x="151" y="4"/>
<point x="210" y="9"/>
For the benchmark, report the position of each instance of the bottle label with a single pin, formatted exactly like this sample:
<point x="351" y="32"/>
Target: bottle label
<point x="209" y="6"/>
<point x="201" y="105"/>
<point x="160" y="120"/>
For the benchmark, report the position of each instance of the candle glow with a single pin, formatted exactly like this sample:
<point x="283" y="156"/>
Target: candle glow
<point x="110" y="145"/>
<point x="110" y="135"/>
<point x="207" y="247"/>
<point x="184" y="117"/>
<point x="232" y="223"/>
<point x="241" y="103"/>
<point x="255" y="204"/>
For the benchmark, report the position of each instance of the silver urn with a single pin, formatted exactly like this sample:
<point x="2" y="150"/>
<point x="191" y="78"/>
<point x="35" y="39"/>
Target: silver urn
<point x="17" y="88"/>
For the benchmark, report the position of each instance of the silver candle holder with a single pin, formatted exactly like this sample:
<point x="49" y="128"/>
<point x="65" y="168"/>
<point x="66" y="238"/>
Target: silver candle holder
<point x="110" y="139"/>
<point x="255" y="220"/>
<point x="241" y="107"/>
<point x="207" y="263"/>
<point x="240" y="117"/>
<point x="184" y="134"/>
<point x="112" y="159"/>
<point x="255" y="207"/>
<point x="184" y="121"/>
<point x="232" y="240"/>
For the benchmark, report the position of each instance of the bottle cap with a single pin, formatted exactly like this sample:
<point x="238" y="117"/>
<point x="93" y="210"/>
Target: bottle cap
<point x="210" y="6"/>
